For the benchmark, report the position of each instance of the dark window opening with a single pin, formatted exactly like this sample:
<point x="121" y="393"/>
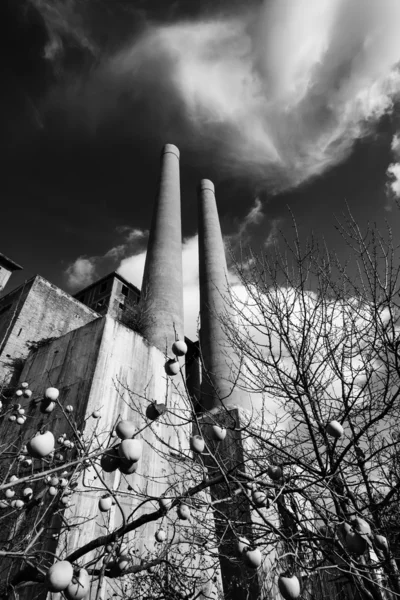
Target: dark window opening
<point x="124" y="290"/>
<point x="122" y="306"/>
<point x="103" y="287"/>
<point x="100" y="304"/>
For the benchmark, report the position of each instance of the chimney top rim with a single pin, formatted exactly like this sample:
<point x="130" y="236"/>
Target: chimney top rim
<point x="170" y="149"/>
<point x="206" y="184"/>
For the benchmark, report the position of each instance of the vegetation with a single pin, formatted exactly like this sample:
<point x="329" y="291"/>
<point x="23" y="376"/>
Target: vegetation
<point x="299" y="493"/>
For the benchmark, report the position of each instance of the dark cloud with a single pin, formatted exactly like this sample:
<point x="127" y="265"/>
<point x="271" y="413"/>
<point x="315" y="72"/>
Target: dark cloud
<point x="92" y="93"/>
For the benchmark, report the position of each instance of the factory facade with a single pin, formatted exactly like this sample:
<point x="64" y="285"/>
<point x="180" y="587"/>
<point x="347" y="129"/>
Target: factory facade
<point x="81" y="346"/>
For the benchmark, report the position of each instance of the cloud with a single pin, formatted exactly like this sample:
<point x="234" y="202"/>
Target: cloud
<point x="84" y="270"/>
<point x="81" y="272"/>
<point x="393" y="172"/>
<point x="65" y="27"/>
<point x="280" y="91"/>
<point x="273" y="235"/>
<point x="129" y="259"/>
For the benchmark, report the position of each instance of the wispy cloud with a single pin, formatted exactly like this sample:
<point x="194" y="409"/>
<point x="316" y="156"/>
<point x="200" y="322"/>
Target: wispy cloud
<point x="272" y="237"/>
<point x="279" y="92"/>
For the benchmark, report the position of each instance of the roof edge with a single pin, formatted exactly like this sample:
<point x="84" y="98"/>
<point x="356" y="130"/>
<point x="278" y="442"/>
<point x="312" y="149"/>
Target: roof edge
<point x="9" y="264"/>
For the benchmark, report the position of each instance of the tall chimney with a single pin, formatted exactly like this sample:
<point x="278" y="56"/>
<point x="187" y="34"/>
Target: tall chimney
<point x="162" y="287"/>
<point x="216" y="387"/>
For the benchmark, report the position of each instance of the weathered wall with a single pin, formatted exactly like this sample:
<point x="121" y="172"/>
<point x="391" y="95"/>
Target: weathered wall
<point x="5" y="275"/>
<point x="36" y="311"/>
<point x="105" y="366"/>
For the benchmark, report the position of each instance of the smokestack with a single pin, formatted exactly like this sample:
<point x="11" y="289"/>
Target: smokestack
<point x="216" y="386"/>
<point x="162" y="287"/>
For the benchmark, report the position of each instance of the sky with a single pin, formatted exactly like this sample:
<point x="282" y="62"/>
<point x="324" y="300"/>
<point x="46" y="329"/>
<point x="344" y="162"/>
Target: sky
<point x="288" y="106"/>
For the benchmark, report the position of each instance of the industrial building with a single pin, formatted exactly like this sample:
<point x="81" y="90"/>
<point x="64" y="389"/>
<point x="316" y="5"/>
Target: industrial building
<point x="81" y="346"/>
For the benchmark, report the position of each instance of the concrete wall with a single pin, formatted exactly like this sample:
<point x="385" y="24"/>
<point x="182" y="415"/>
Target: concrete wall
<point x="36" y="311"/>
<point x="105" y="366"/>
<point x="5" y="275"/>
<point x="106" y="296"/>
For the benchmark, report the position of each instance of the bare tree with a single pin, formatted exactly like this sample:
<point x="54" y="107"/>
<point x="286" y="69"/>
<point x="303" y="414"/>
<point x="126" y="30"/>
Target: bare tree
<point x="299" y="493"/>
<point x="319" y="343"/>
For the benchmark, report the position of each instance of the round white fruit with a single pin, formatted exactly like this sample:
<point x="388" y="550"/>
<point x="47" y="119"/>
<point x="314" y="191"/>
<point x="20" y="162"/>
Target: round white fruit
<point x="183" y="512"/>
<point x="130" y="450"/>
<point x="79" y="586"/>
<point x="96" y="414"/>
<point x="41" y="445"/>
<point x="24" y="385"/>
<point x="335" y="429"/>
<point x="165" y="503"/>
<point x="381" y="542"/>
<point x="125" y="429"/>
<point x="27" y="393"/>
<point x="172" y="367"/>
<point x="259" y="498"/>
<point x="123" y="561"/>
<point x="10" y="493"/>
<point x="161" y="536"/>
<point x="179" y="348"/>
<point x="28" y="492"/>
<point x="197" y="444"/>
<point x="289" y="587"/>
<point x="361" y="526"/>
<point x="52" y="394"/>
<point x="218" y="433"/>
<point x="69" y="408"/>
<point x="59" y="576"/>
<point x="47" y="407"/>
<point x="252" y="558"/>
<point x="19" y="393"/>
<point x="105" y="503"/>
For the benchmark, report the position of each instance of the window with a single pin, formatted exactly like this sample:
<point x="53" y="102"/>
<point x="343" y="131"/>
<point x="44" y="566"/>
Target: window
<point x="124" y="290"/>
<point x="122" y="306"/>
